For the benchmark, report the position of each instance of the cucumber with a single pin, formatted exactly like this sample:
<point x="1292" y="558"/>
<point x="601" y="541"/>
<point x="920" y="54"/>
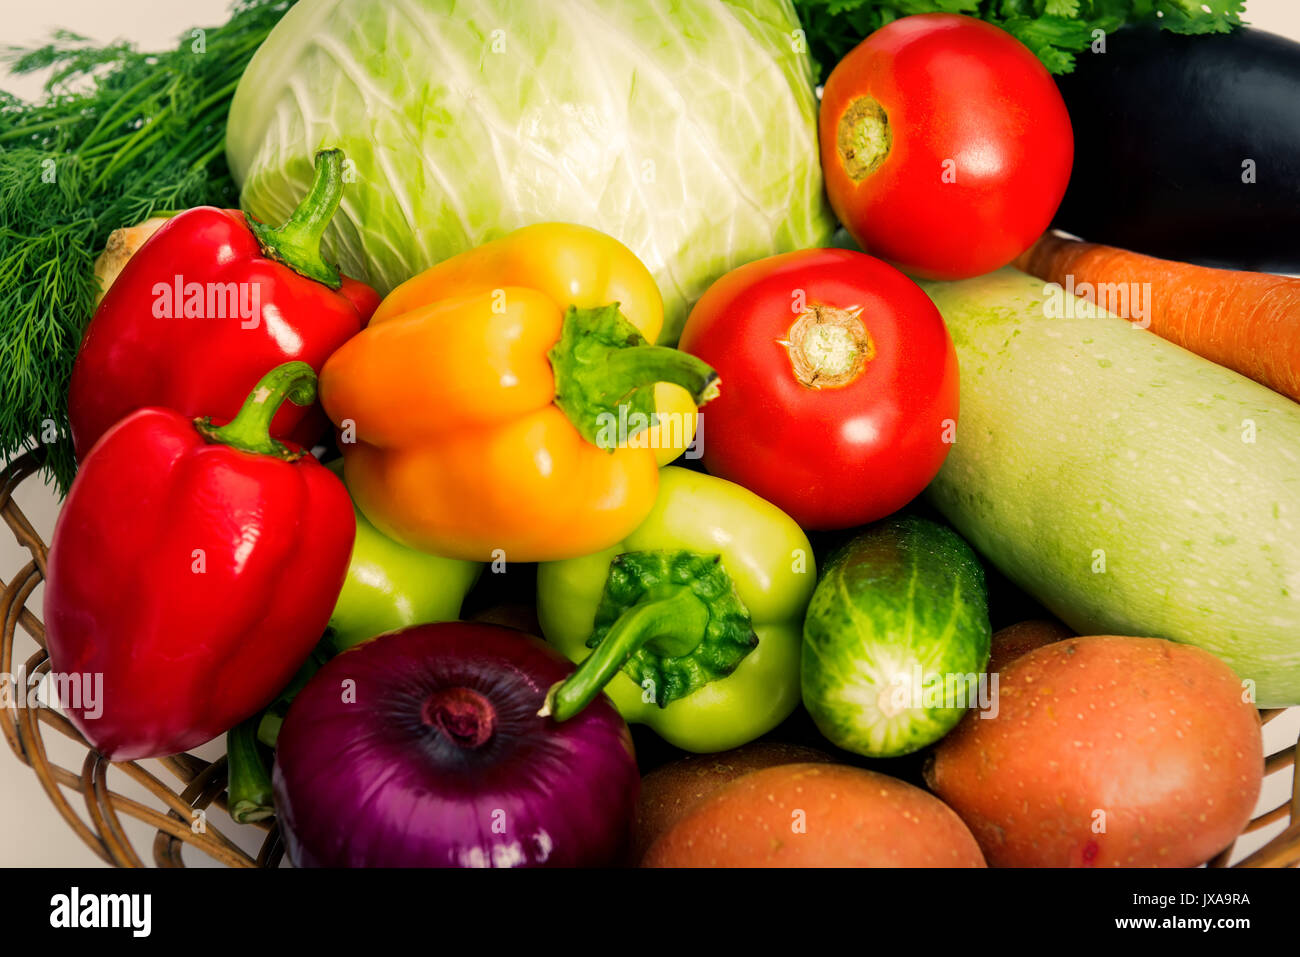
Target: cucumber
<point x="896" y="639"/>
<point x="1130" y="486"/>
<point x="1164" y="125"/>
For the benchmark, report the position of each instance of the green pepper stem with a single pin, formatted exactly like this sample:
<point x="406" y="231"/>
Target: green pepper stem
<point x="250" y="430"/>
<point x="268" y="728"/>
<point x="297" y="242"/>
<point x="271" y="719"/>
<point x="248" y="785"/>
<point x="678" y="621"/>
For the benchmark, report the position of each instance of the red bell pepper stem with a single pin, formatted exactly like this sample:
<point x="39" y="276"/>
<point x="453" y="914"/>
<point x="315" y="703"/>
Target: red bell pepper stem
<point x="250" y="429"/>
<point x="297" y="242"/>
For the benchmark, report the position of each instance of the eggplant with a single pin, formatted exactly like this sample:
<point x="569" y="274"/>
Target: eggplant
<point x="1164" y="125"/>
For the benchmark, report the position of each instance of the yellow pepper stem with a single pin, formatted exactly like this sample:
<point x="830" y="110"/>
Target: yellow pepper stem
<point x="605" y="372"/>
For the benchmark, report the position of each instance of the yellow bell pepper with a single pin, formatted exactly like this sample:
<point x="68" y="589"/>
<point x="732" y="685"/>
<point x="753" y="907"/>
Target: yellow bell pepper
<point x="498" y="405"/>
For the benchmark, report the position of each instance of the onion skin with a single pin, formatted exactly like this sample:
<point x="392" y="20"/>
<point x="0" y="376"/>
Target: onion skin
<point x="436" y="757"/>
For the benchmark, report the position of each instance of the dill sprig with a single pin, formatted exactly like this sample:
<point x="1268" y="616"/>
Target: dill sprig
<point x="119" y="135"/>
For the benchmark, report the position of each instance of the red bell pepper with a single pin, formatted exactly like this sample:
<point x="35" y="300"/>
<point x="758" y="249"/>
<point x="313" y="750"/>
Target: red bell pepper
<point x="207" y="305"/>
<point x="192" y="570"/>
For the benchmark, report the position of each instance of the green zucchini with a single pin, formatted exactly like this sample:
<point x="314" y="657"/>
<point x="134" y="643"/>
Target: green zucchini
<point x="1130" y="486"/>
<point x="896" y="639"/>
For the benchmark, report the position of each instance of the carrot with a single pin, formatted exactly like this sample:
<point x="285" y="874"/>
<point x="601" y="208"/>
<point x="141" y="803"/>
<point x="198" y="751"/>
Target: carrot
<point x="1246" y="321"/>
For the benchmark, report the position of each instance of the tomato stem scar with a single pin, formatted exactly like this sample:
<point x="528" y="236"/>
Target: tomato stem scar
<point x="828" y="347"/>
<point x="863" y="137"/>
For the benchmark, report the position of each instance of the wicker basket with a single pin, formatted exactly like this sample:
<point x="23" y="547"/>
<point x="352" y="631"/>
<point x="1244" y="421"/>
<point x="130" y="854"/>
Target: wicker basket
<point x="171" y="810"/>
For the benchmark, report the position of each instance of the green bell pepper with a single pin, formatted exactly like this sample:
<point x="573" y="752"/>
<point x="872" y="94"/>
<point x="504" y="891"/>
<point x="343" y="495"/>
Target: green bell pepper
<point x="695" y="618"/>
<point x="390" y="586"/>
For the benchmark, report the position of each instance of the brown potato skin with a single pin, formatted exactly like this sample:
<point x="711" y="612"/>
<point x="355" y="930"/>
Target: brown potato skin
<point x="669" y="792"/>
<point x="852" y="818"/>
<point x="1154" y="734"/>
<point x="1015" y="641"/>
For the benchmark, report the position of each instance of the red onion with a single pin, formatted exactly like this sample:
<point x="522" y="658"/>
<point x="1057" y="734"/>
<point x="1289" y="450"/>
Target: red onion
<point x="434" y="756"/>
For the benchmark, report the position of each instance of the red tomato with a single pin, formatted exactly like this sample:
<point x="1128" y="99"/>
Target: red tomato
<point x="945" y="145"/>
<point x="838" y="384"/>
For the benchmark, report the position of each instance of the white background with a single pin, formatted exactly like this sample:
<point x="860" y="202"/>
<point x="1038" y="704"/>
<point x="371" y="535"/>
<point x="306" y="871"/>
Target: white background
<point x="32" y="833"/>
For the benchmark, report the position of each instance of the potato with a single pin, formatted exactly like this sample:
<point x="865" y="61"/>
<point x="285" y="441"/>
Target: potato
<point x="817" y="815"/>
<point x="1011" y="642"/>
<point x="670" y="791"/>
<point x="1106" y="751"/>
